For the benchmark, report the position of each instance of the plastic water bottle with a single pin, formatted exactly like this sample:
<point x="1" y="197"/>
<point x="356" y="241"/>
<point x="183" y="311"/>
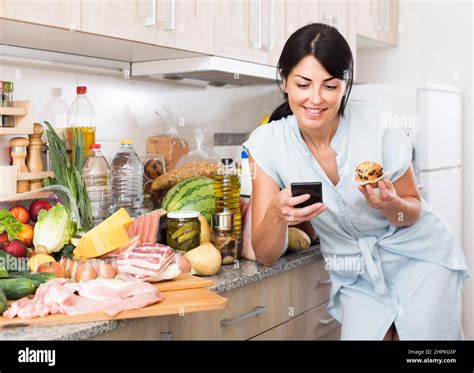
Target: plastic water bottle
<point x="96" y="174"/>
<point x="127" y="179"/>
<point x="245" y="177"/>
<point x="227" y="192"/>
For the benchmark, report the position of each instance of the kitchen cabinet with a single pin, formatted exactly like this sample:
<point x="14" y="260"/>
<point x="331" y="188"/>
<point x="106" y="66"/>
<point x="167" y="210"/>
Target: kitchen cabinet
<point x="250" y="30"/>
<point x="311" y="325"/>
<point x="334" y="13"/>
<point x="377" y="23"/>
<point x="126" y="19"/>
<point x="58" y="13"/>
<point x="288" y="305"/>
<point x="185" y="24"/>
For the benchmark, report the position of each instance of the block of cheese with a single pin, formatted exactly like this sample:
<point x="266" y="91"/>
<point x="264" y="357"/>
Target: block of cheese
<point x="101" y="242"/>
<point x="106" y="237"/>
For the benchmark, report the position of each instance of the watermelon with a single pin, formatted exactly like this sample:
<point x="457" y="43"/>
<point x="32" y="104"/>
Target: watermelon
<point x="193" y="194"/>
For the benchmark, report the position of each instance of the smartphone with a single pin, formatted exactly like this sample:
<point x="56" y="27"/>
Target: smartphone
<point x="313" y="188"/>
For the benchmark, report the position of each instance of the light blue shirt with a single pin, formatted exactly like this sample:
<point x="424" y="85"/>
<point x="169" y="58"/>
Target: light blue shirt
<point x="350" y="230"/>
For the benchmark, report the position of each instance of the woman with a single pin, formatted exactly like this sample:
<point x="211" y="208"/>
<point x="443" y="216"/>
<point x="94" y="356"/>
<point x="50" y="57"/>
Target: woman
<point x="402" y="270"/>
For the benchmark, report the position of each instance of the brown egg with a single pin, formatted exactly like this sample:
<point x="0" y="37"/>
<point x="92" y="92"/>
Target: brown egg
<point x="85" y="272"/>
<point x="68" y="266"/>
<point x="107" y="271"/>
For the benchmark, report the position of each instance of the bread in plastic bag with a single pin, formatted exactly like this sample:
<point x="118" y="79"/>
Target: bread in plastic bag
<point x="169" y="144"/>
<point x="200" y="152"/>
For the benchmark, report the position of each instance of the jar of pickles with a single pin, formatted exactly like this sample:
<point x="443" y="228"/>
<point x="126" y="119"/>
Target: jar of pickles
<point x="183" y="230"/>
<point x="224" y="238"/>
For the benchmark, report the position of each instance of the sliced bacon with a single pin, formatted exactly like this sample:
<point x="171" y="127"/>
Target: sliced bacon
<point x="146" y="261"/>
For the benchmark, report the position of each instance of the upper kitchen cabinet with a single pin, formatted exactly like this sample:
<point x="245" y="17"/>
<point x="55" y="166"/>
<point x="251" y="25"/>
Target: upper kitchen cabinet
<point x="377" y="23"/>
<point x="64" y="14"/>
<point x="250" y="30"/>
<point x="334" y="13"/>
<point x="186" y="24"/>
<point x="126" y="19"/>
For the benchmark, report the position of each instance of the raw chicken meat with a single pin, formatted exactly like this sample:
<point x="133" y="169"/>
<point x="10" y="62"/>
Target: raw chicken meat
<point x="61" y="296"/>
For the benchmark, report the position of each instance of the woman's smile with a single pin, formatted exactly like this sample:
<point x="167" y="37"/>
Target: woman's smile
<point x="314" y="113"/>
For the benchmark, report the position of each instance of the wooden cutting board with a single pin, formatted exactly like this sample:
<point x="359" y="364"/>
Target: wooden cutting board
<point x="182" y="282"/>
<point x="186" y="293"/>
<point x="174" y="302"/>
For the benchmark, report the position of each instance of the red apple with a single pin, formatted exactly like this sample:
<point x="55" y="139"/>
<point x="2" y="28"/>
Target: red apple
<point x="4" y="240"/>
<point x="21" y="213"/>
<point x="16" y="248"/>
<point x="53" y="267"/>
<point x="36" y="207"/>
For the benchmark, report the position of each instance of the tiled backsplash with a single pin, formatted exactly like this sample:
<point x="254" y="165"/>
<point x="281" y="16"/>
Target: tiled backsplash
<point x="126" y="108"/>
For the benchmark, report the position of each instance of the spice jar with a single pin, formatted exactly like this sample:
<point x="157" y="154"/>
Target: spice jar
<point x="183" y="230"/>
<point x="224" y="238"/>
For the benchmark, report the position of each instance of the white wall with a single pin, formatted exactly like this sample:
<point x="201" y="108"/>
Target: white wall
<point x="125" y="108"/>
<point x="436" y="45"/>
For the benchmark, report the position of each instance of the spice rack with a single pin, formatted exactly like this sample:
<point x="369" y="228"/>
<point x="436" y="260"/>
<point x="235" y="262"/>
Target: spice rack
<point x="23" y="114"/>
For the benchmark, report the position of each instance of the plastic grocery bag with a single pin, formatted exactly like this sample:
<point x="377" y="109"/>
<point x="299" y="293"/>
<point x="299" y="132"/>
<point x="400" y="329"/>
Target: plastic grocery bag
<point x="200" y="152"/>
<point x="53" y="194"/>
<point x="169" y="144"/>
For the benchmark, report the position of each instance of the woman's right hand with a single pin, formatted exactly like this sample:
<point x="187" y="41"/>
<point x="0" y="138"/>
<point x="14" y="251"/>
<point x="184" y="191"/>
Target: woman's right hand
<point x="284" y="203"/>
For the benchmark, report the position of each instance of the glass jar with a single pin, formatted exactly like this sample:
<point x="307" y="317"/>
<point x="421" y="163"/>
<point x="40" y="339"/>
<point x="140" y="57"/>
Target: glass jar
<point x="224" y="237"/>
<point x="183" y="230"/>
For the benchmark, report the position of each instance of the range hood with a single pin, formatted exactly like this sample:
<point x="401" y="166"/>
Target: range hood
<point x="203" y="70"/>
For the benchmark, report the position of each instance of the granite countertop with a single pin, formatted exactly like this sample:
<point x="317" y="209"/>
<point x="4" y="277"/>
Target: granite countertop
<point x="229" y="278"/>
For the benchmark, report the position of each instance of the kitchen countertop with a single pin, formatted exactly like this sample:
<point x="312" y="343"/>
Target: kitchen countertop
<point x="229" y="278"/>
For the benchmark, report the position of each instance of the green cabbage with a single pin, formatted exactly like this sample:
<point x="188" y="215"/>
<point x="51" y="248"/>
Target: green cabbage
<point x="53" y="230"/>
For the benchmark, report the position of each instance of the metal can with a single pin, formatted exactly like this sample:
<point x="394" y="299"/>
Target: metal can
<point x="183" y="230"/>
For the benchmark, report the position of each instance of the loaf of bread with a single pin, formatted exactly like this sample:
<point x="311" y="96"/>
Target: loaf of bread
<point x="192" y="169"/>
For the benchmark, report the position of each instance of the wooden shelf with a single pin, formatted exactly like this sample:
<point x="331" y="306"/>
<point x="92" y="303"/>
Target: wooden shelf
<point x="15" y="131"/>
<point x="12" y="111"/>
<point x="34" y="175"/>
<point x="22" y="112"/>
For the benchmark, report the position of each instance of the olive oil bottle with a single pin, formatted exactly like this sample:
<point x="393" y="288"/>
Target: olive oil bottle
<point x="227" y="192"/>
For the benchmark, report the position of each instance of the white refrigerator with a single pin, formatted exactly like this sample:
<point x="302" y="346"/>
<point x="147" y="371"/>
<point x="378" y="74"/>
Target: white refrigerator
<point x="431" y="115"/>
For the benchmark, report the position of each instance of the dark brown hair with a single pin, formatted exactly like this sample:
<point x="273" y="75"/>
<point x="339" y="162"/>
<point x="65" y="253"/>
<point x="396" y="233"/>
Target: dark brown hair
<point x="328" y="46"/>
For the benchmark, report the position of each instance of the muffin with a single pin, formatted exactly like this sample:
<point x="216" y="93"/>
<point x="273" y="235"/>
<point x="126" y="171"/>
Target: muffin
<point x="368" y="172"/>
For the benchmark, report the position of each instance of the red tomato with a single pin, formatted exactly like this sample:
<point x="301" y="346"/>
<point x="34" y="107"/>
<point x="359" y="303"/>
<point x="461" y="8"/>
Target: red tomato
<point x="21" y="213"/>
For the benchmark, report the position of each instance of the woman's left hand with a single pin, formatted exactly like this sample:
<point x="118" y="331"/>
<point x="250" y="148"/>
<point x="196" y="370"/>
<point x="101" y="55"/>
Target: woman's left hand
<point x="388" y="195"/>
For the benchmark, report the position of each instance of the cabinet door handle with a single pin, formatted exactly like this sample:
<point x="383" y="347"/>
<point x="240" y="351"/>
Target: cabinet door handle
<point x="327" y="321"/>
<point x="325" y="281"/>
<point x="151" y="21"/>
<point x="168" y="23"/>
<point x="268" y="47"/>
<point x="326" y="19"/>
<point x="256" y="311"/>
<point x="255" y="28"/>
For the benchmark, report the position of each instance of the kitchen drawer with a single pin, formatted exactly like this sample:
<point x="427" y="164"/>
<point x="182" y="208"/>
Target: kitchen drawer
<point x="251" y="310"/>
<point x="310" y="286"/>
<point x="311" y="325"/>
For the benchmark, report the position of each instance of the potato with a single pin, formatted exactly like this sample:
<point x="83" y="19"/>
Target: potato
<point x="298" y="240"/>
<point x="206" y="231"/>
<point x="205" y="259"/>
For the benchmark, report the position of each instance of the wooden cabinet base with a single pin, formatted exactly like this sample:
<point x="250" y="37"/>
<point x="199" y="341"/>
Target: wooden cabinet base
<point x="289" y="305"/>
<point x="311" y="325"/>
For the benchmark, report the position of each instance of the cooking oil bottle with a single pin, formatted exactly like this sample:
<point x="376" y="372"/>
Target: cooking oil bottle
<point x="81" y="118"/>
<point x="227" y="193"/>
